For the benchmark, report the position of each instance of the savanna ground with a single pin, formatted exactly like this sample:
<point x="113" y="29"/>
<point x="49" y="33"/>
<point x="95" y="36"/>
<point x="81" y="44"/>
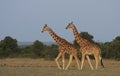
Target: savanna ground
<point x="41" y="67"/>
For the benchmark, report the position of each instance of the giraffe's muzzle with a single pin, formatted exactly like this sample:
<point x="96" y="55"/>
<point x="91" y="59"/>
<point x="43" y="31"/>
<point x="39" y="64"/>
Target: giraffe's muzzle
<point x="66" y="28"/>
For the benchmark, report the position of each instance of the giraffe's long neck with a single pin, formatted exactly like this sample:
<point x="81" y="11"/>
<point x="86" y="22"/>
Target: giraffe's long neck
<point x="81" y="41"/>
<point x="55" y="37"/>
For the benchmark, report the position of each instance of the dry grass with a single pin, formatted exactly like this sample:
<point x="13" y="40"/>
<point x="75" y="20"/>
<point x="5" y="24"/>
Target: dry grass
<point x="41" y="67"/>
<point x="26" y="62"/>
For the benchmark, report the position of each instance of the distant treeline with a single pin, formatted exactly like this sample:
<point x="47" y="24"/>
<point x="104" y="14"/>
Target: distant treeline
<point x="10" y="49"/>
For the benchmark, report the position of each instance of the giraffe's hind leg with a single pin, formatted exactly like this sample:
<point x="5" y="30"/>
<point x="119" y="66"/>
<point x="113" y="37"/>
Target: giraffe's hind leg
<point x="96" y="60"/>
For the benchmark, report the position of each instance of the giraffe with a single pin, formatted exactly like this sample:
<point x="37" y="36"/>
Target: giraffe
<point x="64" y="47"/>
<point x="86" y="48"/>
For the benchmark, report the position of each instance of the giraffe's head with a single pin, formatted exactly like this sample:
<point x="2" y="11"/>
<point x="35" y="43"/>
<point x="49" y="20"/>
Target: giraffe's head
<point x="45" y="28"/>
<point x="70" y="26"/>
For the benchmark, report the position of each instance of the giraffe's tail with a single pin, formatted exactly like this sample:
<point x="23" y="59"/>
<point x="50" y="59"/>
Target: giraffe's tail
<point x="101" y="62"/>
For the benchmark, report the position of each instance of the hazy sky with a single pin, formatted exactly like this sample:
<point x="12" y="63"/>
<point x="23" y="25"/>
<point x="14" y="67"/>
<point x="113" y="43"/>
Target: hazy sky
<point x="24" y="19"/>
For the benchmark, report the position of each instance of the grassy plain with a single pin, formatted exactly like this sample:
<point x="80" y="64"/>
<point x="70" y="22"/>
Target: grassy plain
<point x="41" y="67"/>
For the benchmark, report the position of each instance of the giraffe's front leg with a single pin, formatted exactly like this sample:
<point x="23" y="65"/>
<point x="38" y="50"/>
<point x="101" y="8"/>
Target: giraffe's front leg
<point x="77" y="61"/>
<point x="83" y="58"/>
<point x="63" y="61"/>
<point x="70" y="60"/>
<point x="56" y="60"/>
<point x="89" y="62"/>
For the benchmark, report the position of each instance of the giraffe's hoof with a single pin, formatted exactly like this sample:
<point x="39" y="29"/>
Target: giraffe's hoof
<point x="65" y="68"/>
<point x="60" y="68"/>
<point x="92" y="69"/>
<point x="80" y="68"/>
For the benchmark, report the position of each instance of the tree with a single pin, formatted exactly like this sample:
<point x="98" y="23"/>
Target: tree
<point x="112" y="49"/>
<point x="87" y="36"/>
<point x="38" y="48"/>
<point x="27" y="52"/>
<point x="8" y="46"/>
<point x="51" y="51"/>
<point x="116" y="47"/>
